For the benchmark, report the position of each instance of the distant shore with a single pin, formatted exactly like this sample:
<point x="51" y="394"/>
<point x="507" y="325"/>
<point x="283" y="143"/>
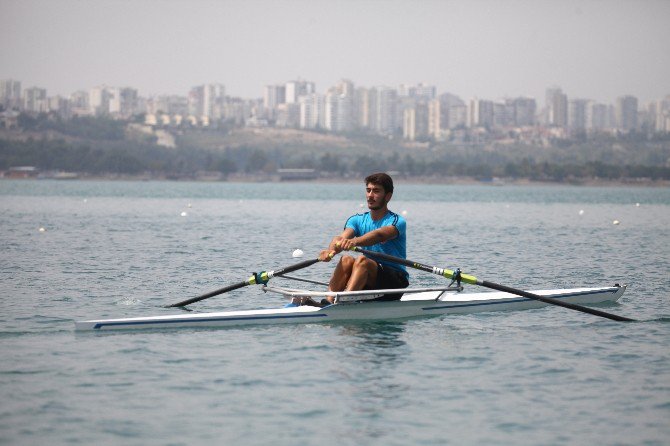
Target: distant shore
<point x="399" y="179"/>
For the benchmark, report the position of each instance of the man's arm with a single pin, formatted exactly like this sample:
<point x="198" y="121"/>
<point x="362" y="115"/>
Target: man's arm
<point x="336" y="245"/>
<point x="371" y="238"/>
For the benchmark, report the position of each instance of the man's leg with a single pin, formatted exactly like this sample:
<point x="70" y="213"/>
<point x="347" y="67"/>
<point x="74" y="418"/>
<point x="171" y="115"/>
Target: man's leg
<point x="353" y="274"/>
<point x="363" y="274"/>
<point x="342" y="273"/>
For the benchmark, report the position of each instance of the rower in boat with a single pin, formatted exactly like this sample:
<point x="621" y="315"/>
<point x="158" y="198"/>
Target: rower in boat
<point x="378" y="230"/>
<point x="356" y="281"/>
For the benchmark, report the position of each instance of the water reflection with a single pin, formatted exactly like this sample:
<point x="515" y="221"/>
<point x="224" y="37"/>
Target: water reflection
<point x="377" y="343"/>
<point x="375" y="354"/>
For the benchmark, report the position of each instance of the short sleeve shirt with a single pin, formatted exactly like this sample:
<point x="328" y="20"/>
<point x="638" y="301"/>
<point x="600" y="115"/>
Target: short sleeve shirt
<point x="397" y="247"/>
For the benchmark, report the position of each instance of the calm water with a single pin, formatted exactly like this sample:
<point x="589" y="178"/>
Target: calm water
<point x="116" y="249"/>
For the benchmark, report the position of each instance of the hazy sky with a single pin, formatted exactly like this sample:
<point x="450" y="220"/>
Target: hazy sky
<point x="490" y="49"/>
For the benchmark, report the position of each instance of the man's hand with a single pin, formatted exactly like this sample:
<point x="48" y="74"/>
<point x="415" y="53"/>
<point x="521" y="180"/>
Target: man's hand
<point x="326" y="255"/>
<point x="346" y="244"/>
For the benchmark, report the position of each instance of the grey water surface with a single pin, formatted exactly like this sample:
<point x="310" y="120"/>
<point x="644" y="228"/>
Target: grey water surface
<point x="550" y="376"/>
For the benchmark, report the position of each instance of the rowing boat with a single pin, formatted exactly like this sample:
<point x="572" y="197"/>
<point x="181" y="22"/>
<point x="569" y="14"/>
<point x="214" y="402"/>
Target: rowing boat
<point x="353" y="306"/>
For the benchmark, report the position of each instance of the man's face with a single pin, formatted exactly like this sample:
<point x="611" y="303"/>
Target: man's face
<point x="376" y="197"/>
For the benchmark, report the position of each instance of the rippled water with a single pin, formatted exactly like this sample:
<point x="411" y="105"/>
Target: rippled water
<point x="116" y="249"/>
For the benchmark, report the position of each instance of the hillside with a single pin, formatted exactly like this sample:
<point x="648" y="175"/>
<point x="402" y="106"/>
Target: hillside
<point x="98" y="146"/>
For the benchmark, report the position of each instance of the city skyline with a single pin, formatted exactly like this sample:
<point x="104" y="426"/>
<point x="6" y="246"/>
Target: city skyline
<point x="593" y="50"/>
<point x="416" y="111"/>
<point x="541" y="100"/>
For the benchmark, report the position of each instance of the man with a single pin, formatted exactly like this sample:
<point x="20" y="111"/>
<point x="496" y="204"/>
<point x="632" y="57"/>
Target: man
<point x="377" y="230"/>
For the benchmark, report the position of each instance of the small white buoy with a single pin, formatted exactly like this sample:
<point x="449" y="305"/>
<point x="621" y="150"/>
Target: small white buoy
<point x="189" y="205"/>
<point x="404" y="213"/>
<point x="616" y="222"/>
<point x="42" y="230"/>
<point x="184" y="214"/>
<point x="581" y="212"/>
<point x="85" y="200"/>
<point x="298" y="253"/>
<point x="637" y="205"/>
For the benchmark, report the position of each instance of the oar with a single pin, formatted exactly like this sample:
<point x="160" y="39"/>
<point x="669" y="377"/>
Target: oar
<point x="474" y="281"/>
<point x="257" y="278"/>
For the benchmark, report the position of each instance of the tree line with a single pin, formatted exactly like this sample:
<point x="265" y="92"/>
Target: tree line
<point x="102" y="146"/>
<point x="132" y="158"/>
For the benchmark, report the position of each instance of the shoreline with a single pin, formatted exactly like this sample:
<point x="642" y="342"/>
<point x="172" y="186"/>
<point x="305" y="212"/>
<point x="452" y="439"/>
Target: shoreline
<point x="398" y="179"/>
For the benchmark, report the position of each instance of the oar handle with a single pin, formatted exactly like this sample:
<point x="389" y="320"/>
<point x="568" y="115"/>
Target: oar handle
<point x="257" y="278"/>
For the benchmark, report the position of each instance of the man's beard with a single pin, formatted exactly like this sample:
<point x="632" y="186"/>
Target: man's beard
<point x="377" y="207"/>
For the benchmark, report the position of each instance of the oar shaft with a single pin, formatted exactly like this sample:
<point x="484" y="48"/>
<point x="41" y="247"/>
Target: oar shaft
<point x="485" y="283"/>
<point x="210" y="294"/>
<point x="296" y="267"/>
<point x="549" y="300"/>
<point x="416" y="265"/>
<point x="256" y="278"/>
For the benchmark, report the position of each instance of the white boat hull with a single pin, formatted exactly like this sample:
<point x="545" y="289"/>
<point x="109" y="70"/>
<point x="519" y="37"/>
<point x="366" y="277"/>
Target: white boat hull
<point x="411" y="305"/>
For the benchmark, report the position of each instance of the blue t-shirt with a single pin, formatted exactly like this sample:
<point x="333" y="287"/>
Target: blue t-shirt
<point x="397" y="247"/>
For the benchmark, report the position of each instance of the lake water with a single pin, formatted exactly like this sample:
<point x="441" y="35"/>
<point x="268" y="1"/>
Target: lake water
<point x="119" y="249"/>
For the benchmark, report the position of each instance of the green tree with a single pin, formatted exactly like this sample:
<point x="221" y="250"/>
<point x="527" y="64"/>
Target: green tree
<point x="256" y="161"/>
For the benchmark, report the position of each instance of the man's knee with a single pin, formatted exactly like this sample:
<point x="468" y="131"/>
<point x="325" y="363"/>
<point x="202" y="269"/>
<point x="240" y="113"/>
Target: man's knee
<point x="363" y="262"/>
<point x="347" y="263"/>
<point x="360" y="261"/>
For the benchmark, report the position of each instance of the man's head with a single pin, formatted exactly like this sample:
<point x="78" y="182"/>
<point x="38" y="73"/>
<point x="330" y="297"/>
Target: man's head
<point x="378" y="190"/>
<point x="380" y="179"/>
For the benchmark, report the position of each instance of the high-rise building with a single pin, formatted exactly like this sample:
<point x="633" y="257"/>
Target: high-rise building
<point x="420" y="91"/>
<point x="409" y="124"/>
<point x="402" y="103"/>
<point x="10" y="94"/>
<point x="362" y="108"/>
<point x="59" y="105"/>
<point x="523" y="111"/>
<point x="171" y="105"/>
<point x="296" y="89"/>
<point x="339" y="107"/>
<point x="626" y="113"/>
<point x="662" y="115"/>
<point x="481" y="113"/>
<point x="503" y="114"/>
<point x="35" y="100"/>
<point x="207" y="101"/>
<point x="434" y="119"/>
<point x="311" y="111"/>
<point x="423" y="91"/>
<point x="338" y="110"/>
<point x="597" y="117"/>
<point x="104" y="100"/>
<point x="345" y="87"/>
<point x="458" y="116"/>
<point x="577" y="114"/>
<point x="79" y="103"/>
<point x="123" y="102"/>
<point x="273" y="95"/>
<point x="384" y="110"/>
<point x="98" y="101"/>
<point x="447" y="101"/>
<point x="422" y="119"/>
<point x="416" y="121"/>
<point x="556" y="107"/>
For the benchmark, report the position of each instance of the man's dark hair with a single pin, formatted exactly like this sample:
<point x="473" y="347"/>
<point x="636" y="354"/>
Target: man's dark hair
<point x="380" y="179"/>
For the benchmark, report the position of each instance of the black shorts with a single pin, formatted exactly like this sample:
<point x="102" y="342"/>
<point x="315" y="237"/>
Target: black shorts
<point x="389" y="278"/>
